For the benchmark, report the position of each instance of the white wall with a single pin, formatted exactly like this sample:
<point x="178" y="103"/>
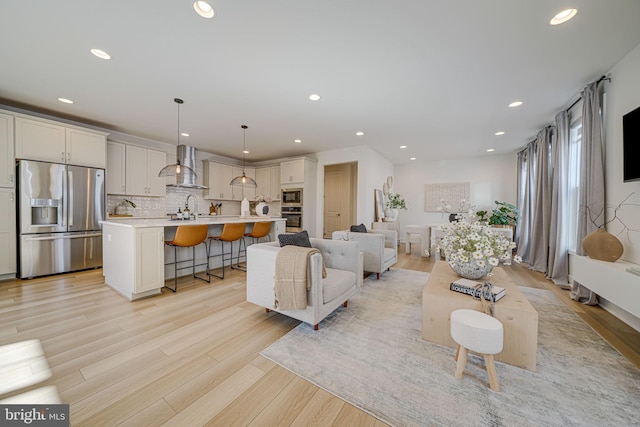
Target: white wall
<point x="623" y="95"/>
<point x="373" y="169"/>
<point x="492" y="177"/>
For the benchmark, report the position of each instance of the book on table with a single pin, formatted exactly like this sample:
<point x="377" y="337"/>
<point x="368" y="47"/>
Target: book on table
<point x="474" y="288"/>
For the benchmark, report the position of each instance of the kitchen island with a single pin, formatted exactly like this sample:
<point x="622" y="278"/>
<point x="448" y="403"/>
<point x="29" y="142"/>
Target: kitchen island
<point x="133" y="250"/>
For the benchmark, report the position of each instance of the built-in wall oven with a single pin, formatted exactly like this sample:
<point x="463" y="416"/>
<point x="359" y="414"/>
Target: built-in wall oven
<point x="291" y="210"/>
<point x="293" y="215"/>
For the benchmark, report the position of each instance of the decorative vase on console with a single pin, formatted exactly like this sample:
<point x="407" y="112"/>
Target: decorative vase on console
<point x="602" y="245"/>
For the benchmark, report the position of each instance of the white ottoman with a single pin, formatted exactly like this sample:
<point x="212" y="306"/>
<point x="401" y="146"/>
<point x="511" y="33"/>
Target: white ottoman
<point x="480" y="333"/>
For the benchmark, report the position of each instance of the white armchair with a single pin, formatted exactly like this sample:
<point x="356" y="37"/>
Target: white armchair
<point x="343" y="262"/>
<point x="380" y="248"/>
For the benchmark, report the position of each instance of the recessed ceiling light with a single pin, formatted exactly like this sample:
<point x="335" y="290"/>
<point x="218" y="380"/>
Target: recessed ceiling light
<point x="515" y="104"/>
<point x="412" y="158"/>
<point x="184" y="134"/>
<point x="65" y="100"/>
<point x="403" y="146"/>
<point x="297" y="141"/>
<point x="500" y="133"/>
<point x="314" y="97"/>
<point x="203" y="9"/>
<point x="489" y="150"/>
<point x="359" y="133"/>
<point x="563" y="16"/>
<point x="245" y="151"/>
<point x="100" y="54"/>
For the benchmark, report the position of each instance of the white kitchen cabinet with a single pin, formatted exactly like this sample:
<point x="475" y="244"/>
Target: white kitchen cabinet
<point x="7" y="158"/>
<point x="217" y="177"/>
<point x="268" y="180"/>
<point x="86" y="148"/>
<point x="237" y="190"/>
<point x="275" y="183"/>
<point x="142" y="166"/>
<point x="292" y="172"/>
<point x="133" y="260"/>
<point x="7" y="232"/>
<point x="48" y="141"/>
<point x="116" y="169"/>
<point x="149" y="259"/>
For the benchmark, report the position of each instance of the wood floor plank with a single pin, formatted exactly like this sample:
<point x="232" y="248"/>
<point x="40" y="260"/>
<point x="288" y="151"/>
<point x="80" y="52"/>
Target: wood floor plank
<point x="321" y="411"/>
<point x="247" y="406"/>
<point x="211" y="404"/>
<point x="287" y="404"/>
<point x="153" y="415"/>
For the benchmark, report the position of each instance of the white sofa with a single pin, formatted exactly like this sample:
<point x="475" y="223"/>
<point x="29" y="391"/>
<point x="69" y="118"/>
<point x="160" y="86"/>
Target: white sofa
<point x="380" y="248"/>
<point x="343" y="262"/>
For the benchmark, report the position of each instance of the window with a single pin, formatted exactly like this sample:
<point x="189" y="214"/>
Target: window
<point x="575" y="143"/>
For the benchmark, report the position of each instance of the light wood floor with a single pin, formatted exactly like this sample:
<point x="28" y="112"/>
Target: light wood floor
<point x="191" y="358"/>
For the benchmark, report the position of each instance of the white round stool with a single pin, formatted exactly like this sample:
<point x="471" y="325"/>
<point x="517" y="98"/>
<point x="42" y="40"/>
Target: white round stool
<point x="480" y="333"/>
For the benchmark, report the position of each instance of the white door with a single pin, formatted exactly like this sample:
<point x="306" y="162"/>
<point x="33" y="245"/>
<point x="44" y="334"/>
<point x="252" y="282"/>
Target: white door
<point x="136" y="171"/>
<point x="7" y="231"/>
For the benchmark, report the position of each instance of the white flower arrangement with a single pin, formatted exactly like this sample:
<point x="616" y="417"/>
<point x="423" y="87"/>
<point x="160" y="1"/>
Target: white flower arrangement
<point x="467" y="243"/>
<point x="262" y="198"/>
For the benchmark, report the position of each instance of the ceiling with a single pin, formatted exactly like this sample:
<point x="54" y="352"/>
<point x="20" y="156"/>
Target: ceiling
<point x="436" y="76"/>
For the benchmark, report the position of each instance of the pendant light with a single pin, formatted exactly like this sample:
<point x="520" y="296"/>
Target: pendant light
<point x="244" y="179"/>
<point x="178" y="169"/>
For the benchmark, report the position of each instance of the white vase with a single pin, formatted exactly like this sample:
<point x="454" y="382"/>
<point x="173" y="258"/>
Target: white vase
<point x="262" y="209"/>
<point x="244" y="207"/>
<point x="390" y="214"/>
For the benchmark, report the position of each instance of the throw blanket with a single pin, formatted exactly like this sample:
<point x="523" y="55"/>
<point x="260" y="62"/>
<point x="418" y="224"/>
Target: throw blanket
<point x="293" y="277"/>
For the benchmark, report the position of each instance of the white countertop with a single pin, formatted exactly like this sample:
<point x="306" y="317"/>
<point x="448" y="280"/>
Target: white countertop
<point x="165" y="222"/>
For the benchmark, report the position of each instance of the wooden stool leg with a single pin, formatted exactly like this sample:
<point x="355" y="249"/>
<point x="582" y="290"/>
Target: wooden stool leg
<point x="462" y="361"/>
<point x="457" y="352"/>
<point x="491" y="370"/>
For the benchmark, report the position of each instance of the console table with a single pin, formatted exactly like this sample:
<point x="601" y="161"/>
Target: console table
<point x="518" y="317"/>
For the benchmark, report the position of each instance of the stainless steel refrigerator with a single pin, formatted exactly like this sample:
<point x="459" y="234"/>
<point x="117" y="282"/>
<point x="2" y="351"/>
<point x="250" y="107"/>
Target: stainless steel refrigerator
<point x="59" y="213"/>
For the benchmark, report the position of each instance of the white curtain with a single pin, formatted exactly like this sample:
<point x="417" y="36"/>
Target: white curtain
<point x="591" y="185"/>
<point x="558" y="265"/>
<point x="535" y="210"/>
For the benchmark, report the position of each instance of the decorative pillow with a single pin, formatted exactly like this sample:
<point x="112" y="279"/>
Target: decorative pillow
<point x="297" y="239"/>
<point x="358" y="228"/>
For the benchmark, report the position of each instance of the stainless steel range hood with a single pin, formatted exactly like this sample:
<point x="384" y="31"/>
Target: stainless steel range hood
<point x="186" y="156"/>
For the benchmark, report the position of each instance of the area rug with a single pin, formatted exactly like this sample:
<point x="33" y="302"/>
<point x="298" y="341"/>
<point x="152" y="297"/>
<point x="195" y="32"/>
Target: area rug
<point x="371" y="355"/>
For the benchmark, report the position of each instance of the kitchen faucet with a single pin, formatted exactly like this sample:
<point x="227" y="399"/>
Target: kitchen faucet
<point x="186" y="205"/>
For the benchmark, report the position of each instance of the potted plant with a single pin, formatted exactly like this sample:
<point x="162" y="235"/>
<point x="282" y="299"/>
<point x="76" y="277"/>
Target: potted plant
<point x="395" y="201"/>
<point x="504" y="214"/>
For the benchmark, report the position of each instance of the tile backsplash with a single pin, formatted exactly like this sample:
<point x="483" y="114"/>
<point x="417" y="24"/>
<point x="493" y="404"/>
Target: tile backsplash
<point x="175" y="198"/>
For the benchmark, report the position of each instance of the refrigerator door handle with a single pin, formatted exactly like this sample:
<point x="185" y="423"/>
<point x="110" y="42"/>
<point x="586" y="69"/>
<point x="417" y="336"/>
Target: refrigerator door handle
<point x="66" y="236"/>
<point x="64" y="199"/>
<point x="70" y="196"/>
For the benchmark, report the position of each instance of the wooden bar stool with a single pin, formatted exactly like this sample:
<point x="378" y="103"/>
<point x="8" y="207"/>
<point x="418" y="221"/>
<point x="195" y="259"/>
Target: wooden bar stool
<point x="480" y="333"/>
<point x="188" y="236"/>
<point x="231" y="232"/>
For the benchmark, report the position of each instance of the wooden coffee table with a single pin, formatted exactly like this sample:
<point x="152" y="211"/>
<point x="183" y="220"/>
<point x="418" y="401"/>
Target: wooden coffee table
<point x="518" y="317"/>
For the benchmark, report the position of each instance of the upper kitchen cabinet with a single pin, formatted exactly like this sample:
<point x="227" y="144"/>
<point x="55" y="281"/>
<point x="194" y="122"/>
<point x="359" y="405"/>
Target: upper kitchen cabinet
<point x="7" y="159"/>
<point x="142" y="167"/>
<point x="116" y="170"/>
<point x="292" y="172"/>
<point x="268" y="179"/>
<point x="49" y="141"/>
<point x="297" y="171"/>
<point x="217" y="177"/>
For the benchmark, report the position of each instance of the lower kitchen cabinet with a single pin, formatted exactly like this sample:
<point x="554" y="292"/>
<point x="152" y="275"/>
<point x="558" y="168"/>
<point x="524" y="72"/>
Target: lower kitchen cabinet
<point x="7" y="232"/>
<point x="133" y="260"/>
